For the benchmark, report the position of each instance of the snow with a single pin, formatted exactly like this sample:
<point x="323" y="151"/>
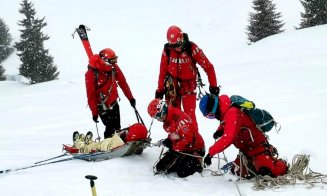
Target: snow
<point x="284" y="74"/>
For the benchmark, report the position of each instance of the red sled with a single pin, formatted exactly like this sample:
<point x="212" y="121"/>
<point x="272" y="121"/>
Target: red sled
<point x="70" y="149"/>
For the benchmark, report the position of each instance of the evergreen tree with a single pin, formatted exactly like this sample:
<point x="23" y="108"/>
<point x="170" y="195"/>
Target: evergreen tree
<point x="265" y="21"/>
<point x="5" y="40"/>
<point x="37" y="64"/>
<point x="315" y="13"/>
<point x="2" y="71"/>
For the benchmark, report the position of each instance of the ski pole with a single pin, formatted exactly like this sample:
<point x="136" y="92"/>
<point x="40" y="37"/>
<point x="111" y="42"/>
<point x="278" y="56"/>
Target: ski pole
<point x="99" y="138"/>
<point x="51" y="158"/>
<point x="92" y="178"/>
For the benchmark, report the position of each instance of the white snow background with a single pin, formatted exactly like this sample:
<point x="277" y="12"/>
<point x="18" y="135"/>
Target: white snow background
<point x="284" y="74"/>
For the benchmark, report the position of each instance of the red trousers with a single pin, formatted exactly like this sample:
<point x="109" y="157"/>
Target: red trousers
<point x="261" y="164"/>
<point x="188" y="101"/>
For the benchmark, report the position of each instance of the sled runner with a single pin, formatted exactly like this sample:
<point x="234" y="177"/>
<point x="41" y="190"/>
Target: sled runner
<point x="129" y="148"/>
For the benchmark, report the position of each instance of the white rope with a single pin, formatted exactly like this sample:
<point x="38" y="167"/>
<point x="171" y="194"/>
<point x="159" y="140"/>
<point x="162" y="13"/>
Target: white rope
<point x="298" y="171"/>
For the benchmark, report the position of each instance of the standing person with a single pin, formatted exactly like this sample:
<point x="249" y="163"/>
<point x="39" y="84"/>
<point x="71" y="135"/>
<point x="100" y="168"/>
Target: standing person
<point x="101" y="80"/>
<point x="178" y="72"/>
<point x="239" y="129"/>
<point x="185" y="144"/>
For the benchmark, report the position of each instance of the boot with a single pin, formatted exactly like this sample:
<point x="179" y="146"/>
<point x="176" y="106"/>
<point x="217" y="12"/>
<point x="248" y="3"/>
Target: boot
<point x="81" y="137"/>
<point x="88" y="137"/>
<point x="75" y="136"/>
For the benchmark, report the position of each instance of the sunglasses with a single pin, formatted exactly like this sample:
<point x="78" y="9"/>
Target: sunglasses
<point x="111" y="60"/>
<point x="176" y="45"/>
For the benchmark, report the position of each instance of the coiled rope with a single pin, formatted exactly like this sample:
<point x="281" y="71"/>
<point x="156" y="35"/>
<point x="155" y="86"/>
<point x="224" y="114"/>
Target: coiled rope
<point x="298" y="171"/>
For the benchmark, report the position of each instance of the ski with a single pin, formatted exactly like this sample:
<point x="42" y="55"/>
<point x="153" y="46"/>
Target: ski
<point x="51" y="158"/>
<point x="82" y="156"/>
<point x="81" y="31"/>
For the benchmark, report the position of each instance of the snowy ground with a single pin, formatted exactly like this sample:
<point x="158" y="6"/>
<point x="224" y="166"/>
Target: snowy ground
<point x="284" y="74"/>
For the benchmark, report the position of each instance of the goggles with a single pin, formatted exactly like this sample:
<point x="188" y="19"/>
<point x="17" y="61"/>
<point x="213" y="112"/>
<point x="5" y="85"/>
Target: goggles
<point x="214" y="105"/>
<point x="111" y="61"/>
<point x="162" y="111"/>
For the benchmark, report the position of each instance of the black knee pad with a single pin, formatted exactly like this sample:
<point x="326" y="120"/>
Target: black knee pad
<point x="264" y="171"/>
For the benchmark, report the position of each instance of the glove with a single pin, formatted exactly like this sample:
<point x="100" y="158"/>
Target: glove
<point x="95" y="119"/>
<point x="214" y="90"/>
<point x="167" y="142"/>
<point x="217" y="134"/>
<point x="159" y="95"/>
<point x="207" y="160"/>
<point x="132" y="102"/>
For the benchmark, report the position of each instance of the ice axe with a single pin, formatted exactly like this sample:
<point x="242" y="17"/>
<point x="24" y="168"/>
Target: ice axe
<point x="92" y="178"/>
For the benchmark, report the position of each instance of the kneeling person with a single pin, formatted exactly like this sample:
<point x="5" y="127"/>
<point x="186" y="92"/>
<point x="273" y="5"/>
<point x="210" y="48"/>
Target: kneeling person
<point x="237" y="128"/>
<point x="186" y="145"/>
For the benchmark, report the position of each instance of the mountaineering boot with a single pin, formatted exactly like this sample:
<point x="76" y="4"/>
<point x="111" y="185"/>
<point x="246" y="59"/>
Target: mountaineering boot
<point x="81" y="137"/>
<point x="75" y="136"/>
<point x="88" y="137"/>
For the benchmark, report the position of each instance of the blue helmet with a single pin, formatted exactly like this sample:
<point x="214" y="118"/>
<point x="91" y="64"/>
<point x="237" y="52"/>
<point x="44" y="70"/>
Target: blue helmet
<point x="209" y="106"/>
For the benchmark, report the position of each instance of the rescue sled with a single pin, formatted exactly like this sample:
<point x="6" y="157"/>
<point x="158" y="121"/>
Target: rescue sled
<point x="129" y="148"/>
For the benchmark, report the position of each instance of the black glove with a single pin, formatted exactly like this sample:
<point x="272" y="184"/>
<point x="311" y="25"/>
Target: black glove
<point x="159" y="95"/>
<point x="167" y="142"/>
<point x="207" y="160"/>
<point x="132" y="102"/>
<point x="214" y="90"/>
<point x="95" y="119"/>
<point x="217" y="134"/>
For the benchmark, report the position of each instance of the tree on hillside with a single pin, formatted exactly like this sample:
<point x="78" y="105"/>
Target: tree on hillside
<point x="5" y="40"/>
<point x="315" y="13"/>
<point x="37" y="64"/>
<point x="265" y="21"/>
<point x="2" y="72"/>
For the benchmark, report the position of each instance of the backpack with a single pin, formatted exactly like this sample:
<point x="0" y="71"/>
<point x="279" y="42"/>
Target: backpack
<point x="263" y="119"/>
<point x="96" y="75"/>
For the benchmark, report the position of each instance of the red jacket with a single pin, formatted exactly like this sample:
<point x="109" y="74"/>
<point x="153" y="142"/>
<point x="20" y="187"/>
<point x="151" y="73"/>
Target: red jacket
<point x="106" y="83"/>
<point x="182" y="68"/>
<point x="182" y="131"/>
<point x="238" y="129"/>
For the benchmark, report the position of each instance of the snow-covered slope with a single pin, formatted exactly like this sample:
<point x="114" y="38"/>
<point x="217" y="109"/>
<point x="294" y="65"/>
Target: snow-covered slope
<point x="283" y="74"/>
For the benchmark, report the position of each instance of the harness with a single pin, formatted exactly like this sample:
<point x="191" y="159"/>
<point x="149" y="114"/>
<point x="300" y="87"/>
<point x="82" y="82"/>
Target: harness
<point x="104" y="98"/>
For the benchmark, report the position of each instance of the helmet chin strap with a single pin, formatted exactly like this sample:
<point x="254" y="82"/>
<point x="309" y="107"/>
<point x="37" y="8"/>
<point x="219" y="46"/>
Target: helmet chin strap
<point x="105" y="62"/>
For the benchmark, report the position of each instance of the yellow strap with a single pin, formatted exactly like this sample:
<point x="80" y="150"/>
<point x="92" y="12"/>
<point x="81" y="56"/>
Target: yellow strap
<point x="247" y="105"/>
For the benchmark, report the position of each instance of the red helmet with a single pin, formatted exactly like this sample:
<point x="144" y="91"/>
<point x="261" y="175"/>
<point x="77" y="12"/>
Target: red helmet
<point x="157" y="108"/>
<point x="136" y="132"/>
<point x="174" y="35"/>
<point x="108" y="55"/>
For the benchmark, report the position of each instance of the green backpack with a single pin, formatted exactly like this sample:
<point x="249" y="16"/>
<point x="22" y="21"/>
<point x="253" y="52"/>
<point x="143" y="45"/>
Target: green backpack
<point x="263" y="119"/>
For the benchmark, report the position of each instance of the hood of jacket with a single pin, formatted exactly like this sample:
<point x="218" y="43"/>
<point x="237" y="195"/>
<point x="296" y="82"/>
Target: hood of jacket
<point x="224" y="105"/>
<point x="97" y="63"/>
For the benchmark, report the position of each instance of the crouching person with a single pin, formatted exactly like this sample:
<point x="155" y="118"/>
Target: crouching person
<point x="85" y="143"/>
<point x="257" y="156"/>
<point x="185" y="144"/>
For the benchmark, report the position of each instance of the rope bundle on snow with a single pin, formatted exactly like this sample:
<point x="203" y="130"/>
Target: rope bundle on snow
<point x="298" y="171"/>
